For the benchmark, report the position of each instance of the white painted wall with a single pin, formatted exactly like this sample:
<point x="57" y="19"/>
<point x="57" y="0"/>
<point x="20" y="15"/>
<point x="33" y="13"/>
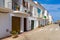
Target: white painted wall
<point x="8" y="4"/>
<point x="35" y="22"/>
<point x="41" y="14"/>
<point x="4" y="25"/>
<point x="43" y="22"/>
<point x="1" y="3"/>
<point x="28" y="6"/>
<point x="28" y="24"/>
<point x="22" y="21"/>
<point x="22" y="25"/>
<point x="46" y="14"/>
<point x="22" y="8"/>
<point x="50" y="19"/>
<point x="35" y="12"/>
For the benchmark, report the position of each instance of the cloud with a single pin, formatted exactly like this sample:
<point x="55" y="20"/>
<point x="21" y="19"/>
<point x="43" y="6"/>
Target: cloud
<point x="53" y="9"/>
<point x="51" y="6"/>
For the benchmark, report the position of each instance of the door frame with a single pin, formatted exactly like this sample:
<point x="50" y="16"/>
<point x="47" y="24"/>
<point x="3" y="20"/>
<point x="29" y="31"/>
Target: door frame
<point x="32" y="25"/>
<point x="19" y="23"/>
<point x="25" y="24"/>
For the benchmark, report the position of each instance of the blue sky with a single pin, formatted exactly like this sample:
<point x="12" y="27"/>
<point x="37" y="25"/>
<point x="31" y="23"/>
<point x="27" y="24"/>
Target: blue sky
<point x="53" y="7"/>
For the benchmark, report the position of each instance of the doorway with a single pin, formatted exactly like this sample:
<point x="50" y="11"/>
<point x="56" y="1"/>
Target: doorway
<point x="16" y="24"/>
<point x="32" y="24"/>
<point x="25" y="24"/>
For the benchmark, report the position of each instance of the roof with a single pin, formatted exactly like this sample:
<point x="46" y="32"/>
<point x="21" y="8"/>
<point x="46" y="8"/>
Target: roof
<point x="37" y="5"/>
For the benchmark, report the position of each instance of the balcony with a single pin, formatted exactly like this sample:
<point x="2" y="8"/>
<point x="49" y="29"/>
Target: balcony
<point x="29" y="13"/>
<point x="16" y="6"/>
<point x="5" y="10"/>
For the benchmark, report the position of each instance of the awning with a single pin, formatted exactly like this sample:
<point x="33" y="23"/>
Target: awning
<point x="5" y="10"/>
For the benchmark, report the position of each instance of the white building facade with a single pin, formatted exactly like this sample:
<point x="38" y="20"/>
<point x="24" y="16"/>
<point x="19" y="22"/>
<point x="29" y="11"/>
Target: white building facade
<point x="50" y="19"/>
<point x="16" y="20"/>
<point x="20" y="16"/>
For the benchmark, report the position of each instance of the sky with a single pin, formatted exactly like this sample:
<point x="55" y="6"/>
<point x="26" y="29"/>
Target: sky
<point x="53" y="7"/>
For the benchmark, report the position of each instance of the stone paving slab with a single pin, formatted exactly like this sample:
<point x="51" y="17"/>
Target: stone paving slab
<point x="50" y="32"/>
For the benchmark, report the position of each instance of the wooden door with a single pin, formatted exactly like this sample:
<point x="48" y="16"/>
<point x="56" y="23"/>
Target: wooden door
<point x="25" y="24"/>
<point x="32" y="24"/>
<point x="24" y="3"/>
<point x="16" y="24"/>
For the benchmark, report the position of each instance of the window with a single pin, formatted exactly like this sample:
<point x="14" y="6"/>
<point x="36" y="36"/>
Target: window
<point x="2" y="2"/>
<point x="15" y="5"/>
<point x="38" y="10"/>
<point x="31" y="9"/>
<point x="23" y="3"/>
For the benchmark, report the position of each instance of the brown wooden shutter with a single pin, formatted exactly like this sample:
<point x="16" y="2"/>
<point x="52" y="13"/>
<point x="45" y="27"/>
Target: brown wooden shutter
<point x="26" y="4"/>
<point x="23" y="3"/>
<point x="31" y="8"/>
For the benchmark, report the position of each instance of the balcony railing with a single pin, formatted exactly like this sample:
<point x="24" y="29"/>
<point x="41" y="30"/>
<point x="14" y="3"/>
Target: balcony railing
<point x="20" y="8"/>
<point x="13" y="7"/>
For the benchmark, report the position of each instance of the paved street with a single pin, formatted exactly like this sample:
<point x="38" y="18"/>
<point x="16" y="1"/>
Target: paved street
<point x="50" y="32"/>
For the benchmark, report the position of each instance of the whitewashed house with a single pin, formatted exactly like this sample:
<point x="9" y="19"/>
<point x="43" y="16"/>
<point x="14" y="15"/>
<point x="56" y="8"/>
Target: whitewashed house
<point x="44" y="17"/>
<point x="50" y="19"/>
<point x="35" y="9"/>
<point x="4" y="20"/>
<point x="19" y="15"/>
<point x="33" y="21"/>
<point x="5" y="26"/>
<point x="13" y="17"/>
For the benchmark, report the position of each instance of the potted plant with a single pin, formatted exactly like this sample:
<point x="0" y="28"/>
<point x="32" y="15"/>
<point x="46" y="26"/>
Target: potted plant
<point x="14" y="34"/>
<point x="17" y="7"/>
<point x="45" y="19"/>
<point x="42" y="25"/>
